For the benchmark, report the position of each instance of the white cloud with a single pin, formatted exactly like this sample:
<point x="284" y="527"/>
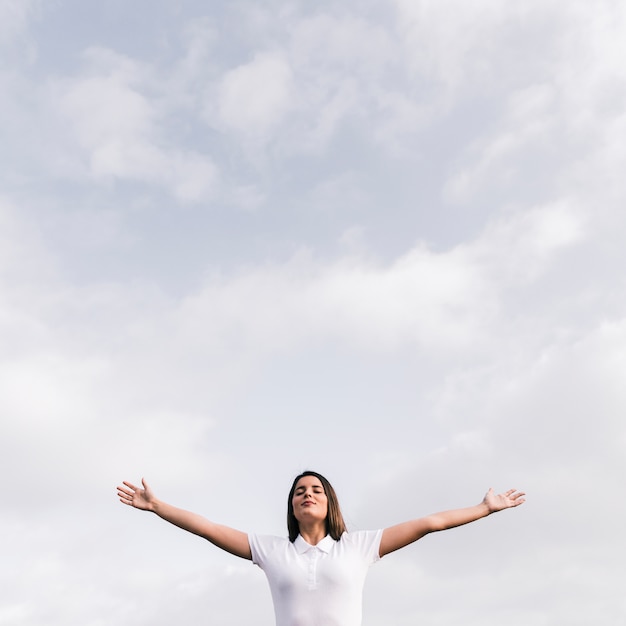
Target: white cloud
<point x="18" y="243"/>
<point x="521" y="246"/>
<point x="192" y="176"/>
<point x="14" y="19"/>
<point x="430" y="299"/>
<point x="352" y="45"/>
<point x="565" y="120"/>
<point x="107" y="104"/>
<point x="118" y="126"/>
<point x="200" y="38"/>
<point x="471" y="46"/>
<point x="398" y="117"/>
<point x="547" y="422"/>
<point x="334" y="103"/>
<point x="527" y="133"/>
<point x="492" y="354"/>
<point x="342" y="64"/>
<point x="15" y="614"/>
<point x="246" y="197"/>
<point x="253" y="98"/>
<point x="569" y="402"/>
<point x="325" y="74"/>
<point x="434" y="300"/>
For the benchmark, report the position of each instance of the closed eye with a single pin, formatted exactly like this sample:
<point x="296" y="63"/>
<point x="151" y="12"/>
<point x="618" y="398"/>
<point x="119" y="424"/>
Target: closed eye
<point x="300" y="490"/>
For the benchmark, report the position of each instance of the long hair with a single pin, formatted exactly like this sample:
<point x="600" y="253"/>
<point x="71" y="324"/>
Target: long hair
<point x="335" y="525"/>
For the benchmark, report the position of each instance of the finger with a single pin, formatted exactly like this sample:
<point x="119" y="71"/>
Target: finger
<point x="127" y="492"/>
<point x="130" y="485"/>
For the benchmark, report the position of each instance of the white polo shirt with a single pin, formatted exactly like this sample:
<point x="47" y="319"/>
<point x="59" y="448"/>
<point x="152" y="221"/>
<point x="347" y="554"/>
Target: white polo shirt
<point x="318" y="585"/>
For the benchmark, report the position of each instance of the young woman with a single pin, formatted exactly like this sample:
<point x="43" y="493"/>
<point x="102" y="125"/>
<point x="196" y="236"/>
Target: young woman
<point x="316" y="575"/>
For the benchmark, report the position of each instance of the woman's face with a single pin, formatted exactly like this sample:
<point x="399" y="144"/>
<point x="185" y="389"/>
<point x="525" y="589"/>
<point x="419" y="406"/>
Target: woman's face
<point x="309" y="500"/>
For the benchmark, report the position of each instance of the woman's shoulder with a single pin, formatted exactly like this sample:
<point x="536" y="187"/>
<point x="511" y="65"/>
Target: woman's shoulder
<point x="263" y="545"/>
<point x="268" y="540"/>
<point x="359" y="535"/>
<point x="365" y="541"/>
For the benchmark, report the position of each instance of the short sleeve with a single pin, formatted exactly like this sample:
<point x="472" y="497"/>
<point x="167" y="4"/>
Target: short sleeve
<point x="261" y="546"/>
<point x="366" y="542"/>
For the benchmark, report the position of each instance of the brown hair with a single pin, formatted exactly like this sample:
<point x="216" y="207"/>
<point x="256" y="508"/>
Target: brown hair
<point x="335" y="525"/>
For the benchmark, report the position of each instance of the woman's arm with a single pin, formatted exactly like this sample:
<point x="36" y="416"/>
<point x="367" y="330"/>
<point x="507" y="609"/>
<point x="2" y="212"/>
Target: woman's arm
<point x="229" y="539"/>
<point x="402" y="535"/>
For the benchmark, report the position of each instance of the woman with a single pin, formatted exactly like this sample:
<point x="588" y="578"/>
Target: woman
<point x="316" y="575"/>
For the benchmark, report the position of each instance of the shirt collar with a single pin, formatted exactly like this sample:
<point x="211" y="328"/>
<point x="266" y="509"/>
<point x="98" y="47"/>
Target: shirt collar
<point x="324" y="545"/>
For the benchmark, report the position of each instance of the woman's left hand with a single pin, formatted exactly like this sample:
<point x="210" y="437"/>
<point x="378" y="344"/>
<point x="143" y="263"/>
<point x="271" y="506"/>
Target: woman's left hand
<point x="502" y="501"/>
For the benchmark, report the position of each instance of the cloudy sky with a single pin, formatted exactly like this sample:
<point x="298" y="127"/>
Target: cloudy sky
<point x="382" y="240"/>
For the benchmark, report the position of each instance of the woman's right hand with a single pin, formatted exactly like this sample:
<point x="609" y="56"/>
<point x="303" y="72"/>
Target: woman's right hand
<point x="229" y="539"/>
<point x="140" y="498"/>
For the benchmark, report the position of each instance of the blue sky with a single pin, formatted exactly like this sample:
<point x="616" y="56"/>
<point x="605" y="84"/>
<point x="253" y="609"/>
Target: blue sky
<point x="378" y="240"/>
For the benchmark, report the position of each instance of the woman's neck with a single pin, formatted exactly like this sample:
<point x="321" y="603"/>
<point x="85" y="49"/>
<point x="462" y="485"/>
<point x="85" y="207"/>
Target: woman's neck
<point x="313" y="533"/>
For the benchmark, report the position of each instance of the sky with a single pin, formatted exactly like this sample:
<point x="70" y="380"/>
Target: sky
<point x="380" y="240"/>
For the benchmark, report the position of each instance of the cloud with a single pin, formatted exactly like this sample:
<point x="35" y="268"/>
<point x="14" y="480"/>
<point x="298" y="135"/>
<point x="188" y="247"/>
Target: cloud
<point x="317" y="76"/>
<point x="15" y="16"/>
<point x="507" y="158"/>
<point x="547" y="422"/>
<point x="118" y="129"/>
<point x="482" y="346"/>
<point x="353" y="44"/>
<point x="520" y="246"/>
<point x="483" y="42"/>
<point x="96" y="338"/>
<point x="579" y="382"/>
<point x="253" y="98"/>
<point x="341" y="64"/>
<point x="19" y="240"/>
<point x="563" y="121"/>
<point x="434" y="301"/>
<point x="423" y="298"/>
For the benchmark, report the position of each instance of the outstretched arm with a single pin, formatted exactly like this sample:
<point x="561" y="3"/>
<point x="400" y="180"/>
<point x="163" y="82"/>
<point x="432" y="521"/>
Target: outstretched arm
<point x="402" y="535"/>
<point x="229" y="539"/>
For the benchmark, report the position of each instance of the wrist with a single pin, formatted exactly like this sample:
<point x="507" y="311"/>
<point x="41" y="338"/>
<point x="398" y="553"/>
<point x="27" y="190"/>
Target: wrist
<point x="154" y="505"/>
<point x="485" y="509"/>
